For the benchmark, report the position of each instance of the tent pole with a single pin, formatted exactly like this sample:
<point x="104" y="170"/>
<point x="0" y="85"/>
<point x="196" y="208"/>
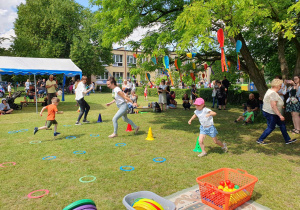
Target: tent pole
<point x="35" y="94"/>
<point x="63" y="90"/>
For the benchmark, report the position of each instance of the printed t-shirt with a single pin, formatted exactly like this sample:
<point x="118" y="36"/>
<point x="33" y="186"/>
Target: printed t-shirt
<point x="204" y="121"/>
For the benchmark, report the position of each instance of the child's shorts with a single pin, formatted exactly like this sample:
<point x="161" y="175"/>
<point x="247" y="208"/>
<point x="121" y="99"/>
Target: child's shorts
<point x="210" y="131"/>
<point x="50" y="122"/>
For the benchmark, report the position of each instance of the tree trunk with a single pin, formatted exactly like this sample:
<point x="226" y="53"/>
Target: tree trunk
<point x="281" y="56"/>
<point x="255" y="75"/>
<point x="297" y="66"/>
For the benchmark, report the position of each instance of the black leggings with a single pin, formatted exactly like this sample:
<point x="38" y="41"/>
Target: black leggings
<point x="84" y="108"/>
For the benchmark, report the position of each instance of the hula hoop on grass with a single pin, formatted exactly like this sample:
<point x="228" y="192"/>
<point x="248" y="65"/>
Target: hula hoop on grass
<point x="49" y="157"/>
<point x="12" y="132"/>
<point x="122" y="168"/>
<point x="159" y="159"/>
<point x="94" y="178"/>
<point x="71" y="137"/>
<point x="94" y="135"/>
<point x="22" y="130"/>
<point x="46" y="192"/>
<point x="120" y="144"/>
<point x="79" y="152"/>
<point x="1" y="165"/>
<point x="67" y="125"/>
<point x="35" y="142"/>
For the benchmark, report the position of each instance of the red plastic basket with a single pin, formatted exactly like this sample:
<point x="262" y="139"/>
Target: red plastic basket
<point x="218" y="199"/>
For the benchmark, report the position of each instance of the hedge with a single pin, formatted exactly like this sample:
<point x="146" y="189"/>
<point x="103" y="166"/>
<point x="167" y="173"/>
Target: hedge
<point x="233" y="96"/>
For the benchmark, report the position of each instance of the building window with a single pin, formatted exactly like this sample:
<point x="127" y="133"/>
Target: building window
<point x="103" y="76"/>
<point x="118" y="75"/>
<point x="118" y="60"/>
<point x="131" y="60"/>
<point x="128" y="75"/>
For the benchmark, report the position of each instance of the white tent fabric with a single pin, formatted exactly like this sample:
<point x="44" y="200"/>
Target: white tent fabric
<point x="39" y="66"/>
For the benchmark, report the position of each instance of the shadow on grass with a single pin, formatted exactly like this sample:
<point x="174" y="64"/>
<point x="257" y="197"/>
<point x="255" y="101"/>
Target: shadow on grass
<point x="239" y="138"/>
<point x="63" y="137"/>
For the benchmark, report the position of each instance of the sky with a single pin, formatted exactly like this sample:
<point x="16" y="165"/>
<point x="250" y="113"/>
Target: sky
<point x="8" y="14"/>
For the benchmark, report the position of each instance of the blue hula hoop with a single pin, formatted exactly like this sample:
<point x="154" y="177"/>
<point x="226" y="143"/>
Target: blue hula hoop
<point x="49" y="157"/>
<point x="22" y="130"/>
<point x="67" y="125"/>
<point x="35" y="142"/>
<point x="159" y="161"/>
<point x="94" y="178"/>
<point x="120" y="144"/>
<point x="79" y="152"/>
<point x="71" y="137"/>
<point x="94" y="135"/>
<point x="12" y="132"/>
<point x="122" y="168"/>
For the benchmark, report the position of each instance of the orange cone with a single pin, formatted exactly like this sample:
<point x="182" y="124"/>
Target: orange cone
<point x="150" y="135"/>
<point x="129" y="128"/>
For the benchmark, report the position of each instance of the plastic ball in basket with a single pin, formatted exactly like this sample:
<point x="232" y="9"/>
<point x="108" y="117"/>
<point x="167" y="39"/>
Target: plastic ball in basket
<point x="226" y="188"/>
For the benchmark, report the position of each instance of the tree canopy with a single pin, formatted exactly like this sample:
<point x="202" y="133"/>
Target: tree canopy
<point x="59" y="29"/>
<point x="185" y="25"/>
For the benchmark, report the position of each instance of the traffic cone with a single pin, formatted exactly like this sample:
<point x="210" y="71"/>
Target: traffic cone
<point x="99" y="119"/>
<point x="129" y="128"/>
<point x="150" y="135"/>
<point x="197" y="147"/>
<point x="78" y="110"/>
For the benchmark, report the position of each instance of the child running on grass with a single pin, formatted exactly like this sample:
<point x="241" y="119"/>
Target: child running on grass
<point x="207" y="127"/>
<point x="248" y="116"/>
<point x="52" y="110"/>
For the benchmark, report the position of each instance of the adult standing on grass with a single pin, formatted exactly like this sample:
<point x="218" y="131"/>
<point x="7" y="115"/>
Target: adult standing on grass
<point x="221" y="95"/>
<point x="293" y="104"/>
<point x="120" y="99"/>
<point x="51" y="88"/>
<point x="272" y="112"/>
<point x="80" y="91"/>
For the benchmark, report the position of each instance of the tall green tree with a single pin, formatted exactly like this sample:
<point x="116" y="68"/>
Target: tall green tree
<point x="45" y="28"/>
<point x="187" y="24"/>
<point x="60" y="29"/>
<point x="86" y="49"/>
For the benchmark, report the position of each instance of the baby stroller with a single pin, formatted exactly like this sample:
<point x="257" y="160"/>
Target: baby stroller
<point x="11" y="100"/>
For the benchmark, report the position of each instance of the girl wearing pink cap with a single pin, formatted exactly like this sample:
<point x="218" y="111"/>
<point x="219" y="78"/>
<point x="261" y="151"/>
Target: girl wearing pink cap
<point x="207" y="127"/>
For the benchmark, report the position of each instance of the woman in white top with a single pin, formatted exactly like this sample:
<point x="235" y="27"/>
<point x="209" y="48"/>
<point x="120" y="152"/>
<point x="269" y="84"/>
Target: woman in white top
<point x="272" y="112"/>
<point x="120" y="99"/>
<point x="162" y="98"/>
<point x="80" y="91"/>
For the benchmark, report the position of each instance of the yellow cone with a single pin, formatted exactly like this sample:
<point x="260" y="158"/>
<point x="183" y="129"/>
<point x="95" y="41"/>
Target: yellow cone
<point x="150" y="135"/>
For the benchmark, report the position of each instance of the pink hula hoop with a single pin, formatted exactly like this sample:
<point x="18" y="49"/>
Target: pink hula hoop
<point x="46" y="192"/>
<point x="1" y="165"/>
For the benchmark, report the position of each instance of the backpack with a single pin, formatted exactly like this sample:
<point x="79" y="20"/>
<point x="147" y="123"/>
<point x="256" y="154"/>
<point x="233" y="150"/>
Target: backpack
<point x="157" y="107"/>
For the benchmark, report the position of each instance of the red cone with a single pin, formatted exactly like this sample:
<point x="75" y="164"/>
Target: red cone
<point x="129" y="128"/>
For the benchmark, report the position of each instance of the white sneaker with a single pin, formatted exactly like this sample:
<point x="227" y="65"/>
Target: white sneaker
<point x="225" y="149"/>
<point x="77" y="123"/>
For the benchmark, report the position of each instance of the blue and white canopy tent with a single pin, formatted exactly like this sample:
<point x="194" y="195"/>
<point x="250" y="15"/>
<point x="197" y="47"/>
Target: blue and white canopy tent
<point x="39" y="66"/>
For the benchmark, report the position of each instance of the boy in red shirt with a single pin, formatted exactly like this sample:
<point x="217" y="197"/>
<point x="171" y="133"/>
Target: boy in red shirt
<point x="52" y="110"/>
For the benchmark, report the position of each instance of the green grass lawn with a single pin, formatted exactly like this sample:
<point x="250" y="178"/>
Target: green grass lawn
<point x="276" y="165"/>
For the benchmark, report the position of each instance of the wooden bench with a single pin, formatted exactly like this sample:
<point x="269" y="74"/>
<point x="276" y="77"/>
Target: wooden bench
<point x="25" y="103"/>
